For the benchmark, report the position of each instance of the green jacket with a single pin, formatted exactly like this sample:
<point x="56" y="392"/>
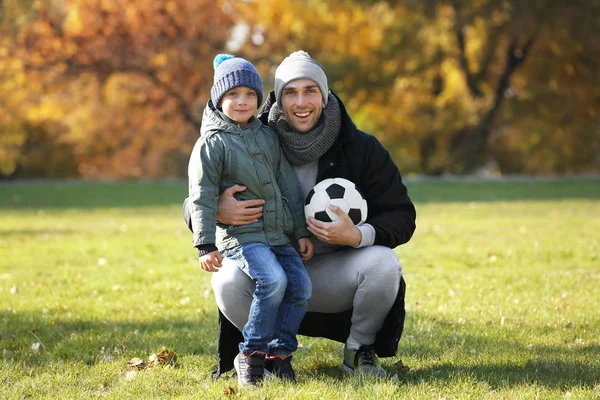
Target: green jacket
<point x="227" y="154"/>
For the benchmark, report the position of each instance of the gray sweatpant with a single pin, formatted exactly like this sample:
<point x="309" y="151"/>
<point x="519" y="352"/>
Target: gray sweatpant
<point x="366" y="278"/>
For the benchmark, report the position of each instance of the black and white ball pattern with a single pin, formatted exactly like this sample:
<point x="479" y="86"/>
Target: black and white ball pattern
<point x="339" y="192"/>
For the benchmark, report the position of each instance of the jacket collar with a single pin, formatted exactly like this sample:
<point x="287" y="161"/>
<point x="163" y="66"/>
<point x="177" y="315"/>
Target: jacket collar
<point x="214" y="120"/>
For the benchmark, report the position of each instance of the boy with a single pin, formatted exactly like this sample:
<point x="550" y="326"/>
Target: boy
<point x="236" y="148"/>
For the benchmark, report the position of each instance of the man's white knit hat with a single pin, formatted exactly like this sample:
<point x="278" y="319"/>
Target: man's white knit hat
<point x="300" y="65"/>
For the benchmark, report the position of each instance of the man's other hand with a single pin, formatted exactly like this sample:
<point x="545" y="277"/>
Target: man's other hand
<point x="231" y="211"/>
<point x="343" y="231"/>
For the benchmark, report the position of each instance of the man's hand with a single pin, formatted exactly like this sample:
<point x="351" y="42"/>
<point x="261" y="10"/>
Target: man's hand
<point x="211" y="262"/>
<point x="343" y="231"/>
<point x="306" y="248"/>
<point x="233" y="212"/>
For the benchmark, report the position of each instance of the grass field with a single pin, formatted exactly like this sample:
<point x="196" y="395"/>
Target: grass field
<point x="503" y="298"/>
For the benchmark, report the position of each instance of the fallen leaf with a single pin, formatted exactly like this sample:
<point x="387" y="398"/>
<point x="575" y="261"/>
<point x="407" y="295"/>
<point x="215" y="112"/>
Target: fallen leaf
<point x="136" y="363"/>
<point x="228" y="391"/>
<point x="165" y="357"/>
<point x="400" y="367"/>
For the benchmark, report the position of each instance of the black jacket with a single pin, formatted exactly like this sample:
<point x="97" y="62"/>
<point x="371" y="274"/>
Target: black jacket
<point x="360" y="158"/>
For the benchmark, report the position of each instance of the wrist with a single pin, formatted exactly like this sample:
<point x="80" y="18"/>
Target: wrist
<point x="367" y="235"/>
<point x="204" y="249"/>
<point x="358" y="237"/>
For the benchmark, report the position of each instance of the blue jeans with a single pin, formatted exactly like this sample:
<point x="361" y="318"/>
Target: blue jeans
<point x="280" y="299"/>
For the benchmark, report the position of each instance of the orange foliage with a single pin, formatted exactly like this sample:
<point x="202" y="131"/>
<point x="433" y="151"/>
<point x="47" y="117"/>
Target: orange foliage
<point x="447" y="86"/>
<point x="129" y="76"/>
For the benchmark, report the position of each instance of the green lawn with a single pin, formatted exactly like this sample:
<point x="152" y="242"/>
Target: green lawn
<point x="503" y="299"/>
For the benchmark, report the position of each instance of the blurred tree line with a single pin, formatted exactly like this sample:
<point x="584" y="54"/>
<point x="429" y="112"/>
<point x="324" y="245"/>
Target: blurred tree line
<point x="116" y="88"/>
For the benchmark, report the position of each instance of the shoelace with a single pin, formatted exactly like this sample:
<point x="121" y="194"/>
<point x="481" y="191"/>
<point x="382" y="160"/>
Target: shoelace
<point x="366" y="357"/>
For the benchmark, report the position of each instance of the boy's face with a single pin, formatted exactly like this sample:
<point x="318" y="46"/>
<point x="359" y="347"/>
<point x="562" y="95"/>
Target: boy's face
<point x="302" y="104"/>
<point x="240" y="104"/>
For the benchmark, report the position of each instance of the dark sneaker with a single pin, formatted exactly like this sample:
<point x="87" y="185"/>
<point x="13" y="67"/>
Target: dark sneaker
<point x="250" y="368"/>
<point x="362" y="362"/>
<point x="281" y="367"/>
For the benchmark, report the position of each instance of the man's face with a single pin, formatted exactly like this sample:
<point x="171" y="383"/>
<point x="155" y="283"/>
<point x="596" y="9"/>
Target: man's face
<point x="302" y="104"/>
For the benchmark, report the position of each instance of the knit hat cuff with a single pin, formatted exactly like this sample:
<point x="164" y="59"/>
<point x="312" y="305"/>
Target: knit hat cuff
<point x="300" y="68"/>
<point x="232" y="72"/>
<point x="235" y="79"/>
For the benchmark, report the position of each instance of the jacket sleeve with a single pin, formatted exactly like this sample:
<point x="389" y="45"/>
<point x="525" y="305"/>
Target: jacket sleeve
<point x="290" y="189"/>
<point x="394" y="213"/>
<point x="204" y="173"/>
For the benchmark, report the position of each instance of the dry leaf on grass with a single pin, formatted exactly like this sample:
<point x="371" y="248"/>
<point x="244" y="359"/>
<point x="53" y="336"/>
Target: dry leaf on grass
<point x="400" y="368"/>
<point x="165" y="357"/>
<point x="136" y="363"/>
<point x="228" y="391"/>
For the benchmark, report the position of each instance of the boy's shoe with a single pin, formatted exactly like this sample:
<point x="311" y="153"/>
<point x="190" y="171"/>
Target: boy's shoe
<point x="250" y="368"/>
<point x="281" y="367"/>
<point x="362" y="361"/>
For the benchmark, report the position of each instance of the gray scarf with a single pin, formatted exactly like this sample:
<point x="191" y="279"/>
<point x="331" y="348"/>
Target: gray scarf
<point x="302" y="148"/>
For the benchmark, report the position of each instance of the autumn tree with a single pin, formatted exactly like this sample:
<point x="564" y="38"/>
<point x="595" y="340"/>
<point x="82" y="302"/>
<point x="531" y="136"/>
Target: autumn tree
<point x="116" y="87"/>
<point x="126" y="78"/>
<point x="449" y="86"/>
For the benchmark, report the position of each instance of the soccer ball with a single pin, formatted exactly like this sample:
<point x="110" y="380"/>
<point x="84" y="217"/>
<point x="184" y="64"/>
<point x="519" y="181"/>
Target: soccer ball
<point x="338" y="192"/>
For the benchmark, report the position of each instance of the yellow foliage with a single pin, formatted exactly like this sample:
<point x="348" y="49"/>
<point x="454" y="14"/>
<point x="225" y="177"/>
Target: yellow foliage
<point x="124" y="81"/>
<point x="73" y="23"/>
<point x="12" y="140"/>
<point x="159" y="60"/>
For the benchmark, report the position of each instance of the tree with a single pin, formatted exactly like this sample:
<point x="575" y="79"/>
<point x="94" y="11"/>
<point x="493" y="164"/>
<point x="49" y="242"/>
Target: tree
<point x="447" y="85"/>
<point x="133" y="75"/>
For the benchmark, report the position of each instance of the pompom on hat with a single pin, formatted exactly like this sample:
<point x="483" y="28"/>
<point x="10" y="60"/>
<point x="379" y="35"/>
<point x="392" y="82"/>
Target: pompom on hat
<point x="232" y="72"/>
<point x="300" y="65"/>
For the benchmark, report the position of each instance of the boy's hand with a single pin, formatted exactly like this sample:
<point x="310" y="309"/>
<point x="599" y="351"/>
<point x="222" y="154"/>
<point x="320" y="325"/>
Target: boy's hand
<point x="211" y="262"/>
<point x="306" y="248"/>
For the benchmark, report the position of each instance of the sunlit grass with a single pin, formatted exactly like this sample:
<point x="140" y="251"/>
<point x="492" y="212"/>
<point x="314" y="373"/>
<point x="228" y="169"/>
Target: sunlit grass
<point x="503" y="283"/>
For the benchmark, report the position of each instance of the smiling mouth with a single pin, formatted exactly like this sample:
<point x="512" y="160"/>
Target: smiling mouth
<point x="302" y="114"/>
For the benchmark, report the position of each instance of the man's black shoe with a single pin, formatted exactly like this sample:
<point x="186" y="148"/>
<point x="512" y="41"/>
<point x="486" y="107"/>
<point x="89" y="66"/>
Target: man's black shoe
<point x="281" y="367"/>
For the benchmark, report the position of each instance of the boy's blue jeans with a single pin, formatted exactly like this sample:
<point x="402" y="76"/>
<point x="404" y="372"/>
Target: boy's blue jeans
<point x="280" y="300"/>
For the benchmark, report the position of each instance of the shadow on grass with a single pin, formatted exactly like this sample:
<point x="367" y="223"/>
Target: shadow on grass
<point x="503" y="361"/>
<point x="91" y="342"/>
<point x="551" y="374"/>
<point x="88" y="195"/>
<point x="488" y="360"/>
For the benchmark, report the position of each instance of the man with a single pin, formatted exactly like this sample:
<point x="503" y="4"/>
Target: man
<point x="358" y="289"/>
